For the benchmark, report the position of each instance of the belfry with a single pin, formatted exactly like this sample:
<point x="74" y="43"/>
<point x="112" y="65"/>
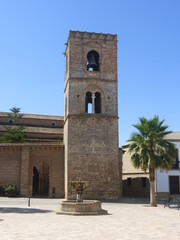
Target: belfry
<point x="91" y="114"/>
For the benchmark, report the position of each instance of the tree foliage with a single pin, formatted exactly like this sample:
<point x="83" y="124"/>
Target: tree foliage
<point x="148" y="147"/>
<point x="14" y="133"/>
<point x="150" y="150"/>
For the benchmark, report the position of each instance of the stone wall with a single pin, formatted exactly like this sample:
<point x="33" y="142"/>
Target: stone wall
<point x="18" y="160"/>
<point x="54" y="158"/>
<point x="93" y="156"/>
<point x="135" y="188"/>
<point x="91" y="140"/>
<point x="10" y="166"/>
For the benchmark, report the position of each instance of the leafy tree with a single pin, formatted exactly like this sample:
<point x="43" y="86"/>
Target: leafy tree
<point x="14" y="134"/>
<point x="150" y="150"/>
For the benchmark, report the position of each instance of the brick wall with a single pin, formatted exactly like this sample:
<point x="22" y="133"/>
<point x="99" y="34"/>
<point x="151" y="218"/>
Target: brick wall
<point x="10" y="166"/>
<point x="93" y="156"/>
<point x="91" y="140"/>
<point x="54" y="158"/>
<point x="17" y="163"/>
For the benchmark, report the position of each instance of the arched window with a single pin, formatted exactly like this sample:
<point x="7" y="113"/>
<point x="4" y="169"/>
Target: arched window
<point x="97" y="102"/>
<point x="88" y="102"/>
<point x="92" y="61"/>
<point x="93" y="102"/>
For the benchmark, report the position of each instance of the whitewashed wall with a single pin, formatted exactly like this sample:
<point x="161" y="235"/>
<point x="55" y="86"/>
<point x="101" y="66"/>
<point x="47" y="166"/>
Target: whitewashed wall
<point x="162" y="178"/>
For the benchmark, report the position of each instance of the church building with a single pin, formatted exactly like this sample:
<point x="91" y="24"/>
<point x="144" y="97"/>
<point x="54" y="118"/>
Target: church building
<point x="81" y="145"/>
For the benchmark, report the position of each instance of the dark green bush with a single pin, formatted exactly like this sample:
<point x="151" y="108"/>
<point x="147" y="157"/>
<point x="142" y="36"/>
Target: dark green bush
<point x="11" y="190"/>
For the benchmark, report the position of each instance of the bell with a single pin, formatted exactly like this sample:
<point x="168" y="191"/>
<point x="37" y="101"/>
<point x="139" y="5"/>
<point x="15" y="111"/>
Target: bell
<point x="91" y="62"/>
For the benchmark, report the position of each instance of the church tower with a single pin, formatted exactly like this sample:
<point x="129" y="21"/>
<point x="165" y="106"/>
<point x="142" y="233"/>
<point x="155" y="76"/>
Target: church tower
<point x="91" y="114"/>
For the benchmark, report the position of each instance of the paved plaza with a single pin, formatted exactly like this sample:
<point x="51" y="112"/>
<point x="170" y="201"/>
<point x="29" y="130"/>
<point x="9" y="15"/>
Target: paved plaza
<point x="127" y="219"/>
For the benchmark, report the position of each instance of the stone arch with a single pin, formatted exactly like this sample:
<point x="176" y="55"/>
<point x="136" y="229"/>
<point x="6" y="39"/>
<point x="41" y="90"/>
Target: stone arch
<point x="35" y="181"/>
<point x="93" y="61"/>
<point x="41" y="179"/>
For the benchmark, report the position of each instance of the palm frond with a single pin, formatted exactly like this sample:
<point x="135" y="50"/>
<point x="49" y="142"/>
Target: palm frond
<point x="148" y="146"/>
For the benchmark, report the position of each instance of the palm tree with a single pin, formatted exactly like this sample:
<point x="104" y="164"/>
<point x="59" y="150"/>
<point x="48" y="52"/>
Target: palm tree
<point x="150" y="150"/>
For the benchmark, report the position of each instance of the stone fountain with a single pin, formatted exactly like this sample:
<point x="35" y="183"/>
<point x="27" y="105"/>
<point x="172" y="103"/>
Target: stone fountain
<point x="80" y="206"/>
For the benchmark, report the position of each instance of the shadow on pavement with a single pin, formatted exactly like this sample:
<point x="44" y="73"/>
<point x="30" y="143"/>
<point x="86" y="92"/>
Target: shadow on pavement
<point x="129" y="200"/>
<point x="22" y="210"/>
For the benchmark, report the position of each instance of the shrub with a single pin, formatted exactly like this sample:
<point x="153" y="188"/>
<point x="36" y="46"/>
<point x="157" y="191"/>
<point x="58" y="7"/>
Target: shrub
<point x="11" y="190"/>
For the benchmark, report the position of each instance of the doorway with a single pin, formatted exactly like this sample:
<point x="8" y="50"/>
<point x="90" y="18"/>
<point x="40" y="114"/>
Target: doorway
<point x="35" y="181"/>
<point x="44" y="180"/>
<point x="174" y="184"/>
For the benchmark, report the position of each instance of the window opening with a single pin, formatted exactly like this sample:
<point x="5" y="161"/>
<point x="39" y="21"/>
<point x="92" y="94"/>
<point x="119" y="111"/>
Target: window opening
<point x="92" y="61"/>
<point x="93" y="102"/>
<point x="89" y="107"/>
<point x="176" y="161"/>
<point x="90" y="69"/>
<point x="174" y="184"/>
<point x="97" y="102"/>
<point x="53" y="124"/>
<point x="11" y="122"/>
<point x="88" y="102"/>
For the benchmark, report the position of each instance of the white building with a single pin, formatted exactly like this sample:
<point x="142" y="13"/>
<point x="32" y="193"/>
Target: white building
<point x="168" y="182"/>
<point x="136" y="181"/>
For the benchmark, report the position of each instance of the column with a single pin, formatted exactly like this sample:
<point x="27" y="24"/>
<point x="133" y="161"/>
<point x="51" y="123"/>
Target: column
<point x="93" y="102"/>
<point x="24" y="186"/>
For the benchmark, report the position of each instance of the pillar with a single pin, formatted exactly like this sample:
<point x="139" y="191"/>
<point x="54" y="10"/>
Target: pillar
<point x="24" y="186"/>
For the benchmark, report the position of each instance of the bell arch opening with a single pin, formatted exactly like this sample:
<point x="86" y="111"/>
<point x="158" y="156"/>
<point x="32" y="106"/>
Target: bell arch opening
<point x="92" y="61"/>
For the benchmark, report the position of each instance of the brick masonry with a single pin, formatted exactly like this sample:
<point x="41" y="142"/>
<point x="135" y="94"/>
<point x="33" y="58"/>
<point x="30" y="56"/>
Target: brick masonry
<point x="91" y="140"/>
<point x="18" y="160"/>
<point x="10" y="170"/>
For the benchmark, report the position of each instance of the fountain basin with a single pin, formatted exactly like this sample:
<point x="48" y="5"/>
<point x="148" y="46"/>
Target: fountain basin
<point x="87" y="207"/>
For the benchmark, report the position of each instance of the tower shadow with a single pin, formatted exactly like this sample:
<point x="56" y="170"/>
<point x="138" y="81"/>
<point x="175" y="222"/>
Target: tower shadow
<point x="23" y="210"/>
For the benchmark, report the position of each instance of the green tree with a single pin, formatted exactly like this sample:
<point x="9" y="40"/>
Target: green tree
<point x="150" y="150"/>
<point x="15" y="133"/>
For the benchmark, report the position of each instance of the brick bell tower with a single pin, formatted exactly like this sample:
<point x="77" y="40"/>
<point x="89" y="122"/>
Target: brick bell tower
<point x="91" y="115"/>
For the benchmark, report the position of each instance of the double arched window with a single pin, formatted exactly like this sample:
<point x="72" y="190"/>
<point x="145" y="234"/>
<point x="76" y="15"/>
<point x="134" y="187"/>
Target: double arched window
<point x="93" y="102"/>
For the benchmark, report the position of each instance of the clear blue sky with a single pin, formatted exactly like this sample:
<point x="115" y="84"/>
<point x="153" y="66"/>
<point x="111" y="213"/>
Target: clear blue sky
<point x="32" y="37"/>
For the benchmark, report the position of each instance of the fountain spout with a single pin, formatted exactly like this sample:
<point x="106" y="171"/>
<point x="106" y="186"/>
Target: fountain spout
<point x="79" y="186"/>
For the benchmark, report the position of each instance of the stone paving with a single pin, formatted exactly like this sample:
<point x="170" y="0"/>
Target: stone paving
<point x="127" y="219"/>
